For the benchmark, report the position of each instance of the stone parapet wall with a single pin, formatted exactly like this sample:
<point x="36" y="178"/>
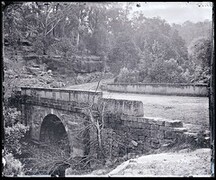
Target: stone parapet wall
<point x="143" y="134"/>
<point x="68" y="99"/>
<point x="162" y="88"/>
<point x="79" y="96"/>
<point x="127" y="107"/>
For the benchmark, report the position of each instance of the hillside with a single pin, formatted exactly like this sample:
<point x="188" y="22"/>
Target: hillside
<point x="76" y="46"/>
<point x="190" y="31"/>
<point x="24" y="68"/>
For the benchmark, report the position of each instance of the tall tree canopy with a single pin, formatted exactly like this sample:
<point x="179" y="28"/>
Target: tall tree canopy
<point x="157" y="51"/>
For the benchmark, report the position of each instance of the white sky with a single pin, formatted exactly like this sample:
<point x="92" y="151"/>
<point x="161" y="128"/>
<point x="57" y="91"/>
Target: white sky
<point x="176" y="12"/>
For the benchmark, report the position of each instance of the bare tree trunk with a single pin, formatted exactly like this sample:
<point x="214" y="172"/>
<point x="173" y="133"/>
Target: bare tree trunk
<point x="79" y="22"/>
<point x="99" y="137"/>
<point x="53" y="30"/>
<point x="78" y="36"/>
<point x="45" y="33"/>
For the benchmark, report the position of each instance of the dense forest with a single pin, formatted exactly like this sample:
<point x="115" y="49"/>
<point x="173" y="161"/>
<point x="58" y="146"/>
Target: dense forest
<point x="144" y="49"/>
<point x="56" y="44"/>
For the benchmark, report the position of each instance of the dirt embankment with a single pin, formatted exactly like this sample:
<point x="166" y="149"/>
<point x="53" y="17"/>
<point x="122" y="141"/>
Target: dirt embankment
<point x="185" y="163"/>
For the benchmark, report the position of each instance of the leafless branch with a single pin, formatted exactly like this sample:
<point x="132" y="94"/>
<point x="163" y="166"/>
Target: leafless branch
<point x="53" y="26"/>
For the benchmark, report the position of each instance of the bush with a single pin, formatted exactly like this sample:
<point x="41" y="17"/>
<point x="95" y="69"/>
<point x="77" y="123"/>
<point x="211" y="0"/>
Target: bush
<point x="64" y="47"/>
<point x="108" y="75"/>
<point x="11" y="116"/>
<point x="13" y="138"/>
<point x="13" y="166"/>
<point x="126" y="76"/>
<point x="203" y="138"/>
<point x="80" y="79"/>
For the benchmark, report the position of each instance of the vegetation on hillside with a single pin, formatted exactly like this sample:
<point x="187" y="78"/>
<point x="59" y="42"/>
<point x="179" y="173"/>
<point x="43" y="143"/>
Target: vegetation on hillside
<point x="190" y="31"/>
<point x="149" y="47"/>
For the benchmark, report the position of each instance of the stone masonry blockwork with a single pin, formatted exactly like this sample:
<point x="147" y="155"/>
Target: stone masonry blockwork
<point x="126" y="128"/>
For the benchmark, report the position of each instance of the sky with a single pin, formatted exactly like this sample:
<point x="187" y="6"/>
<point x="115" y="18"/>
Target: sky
<point x="176" y="12"/>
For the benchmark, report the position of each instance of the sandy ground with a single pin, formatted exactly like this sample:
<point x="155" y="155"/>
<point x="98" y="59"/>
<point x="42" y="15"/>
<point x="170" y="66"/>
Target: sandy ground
<point x="179" y="164"/>
<point x="195" y="163"/>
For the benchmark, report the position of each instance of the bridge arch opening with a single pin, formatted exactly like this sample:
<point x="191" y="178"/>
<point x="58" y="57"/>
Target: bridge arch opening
<point x="53" y="134"/>
<point x="54" y="144"/>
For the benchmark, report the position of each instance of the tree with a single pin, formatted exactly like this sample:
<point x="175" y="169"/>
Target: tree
<point x="200" y="52"/>
<point x="200" y="55"/>
<point x="190" y="31"/>
<point x="123" y="54"/>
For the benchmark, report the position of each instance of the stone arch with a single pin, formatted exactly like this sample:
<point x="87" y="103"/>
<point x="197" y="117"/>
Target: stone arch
<point x="53" y="131"/>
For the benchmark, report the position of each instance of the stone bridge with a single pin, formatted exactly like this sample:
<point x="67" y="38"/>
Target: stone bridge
<point x="64" y="113"/>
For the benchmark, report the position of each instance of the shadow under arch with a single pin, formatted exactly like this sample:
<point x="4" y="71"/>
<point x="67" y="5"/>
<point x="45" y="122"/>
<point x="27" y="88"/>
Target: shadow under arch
<point x="53" y="132"/>
<point x="54" y="141"/>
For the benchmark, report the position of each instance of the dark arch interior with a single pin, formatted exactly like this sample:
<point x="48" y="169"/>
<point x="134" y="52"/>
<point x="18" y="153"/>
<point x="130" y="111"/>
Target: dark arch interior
<point x="53" y="133"/>
<point x="55" y="143"/>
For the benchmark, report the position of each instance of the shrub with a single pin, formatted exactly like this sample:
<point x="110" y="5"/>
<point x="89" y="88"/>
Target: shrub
<point x="126" y="76"/>
<point x="13" y="166"/>
<point x="203" y="138"/>
<point x="13" y="138"/>
<point x="64" y="47"/>
<point x="80" y="79"/>
<point x="122" y="77"/>
<point x="11" y="116"/>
